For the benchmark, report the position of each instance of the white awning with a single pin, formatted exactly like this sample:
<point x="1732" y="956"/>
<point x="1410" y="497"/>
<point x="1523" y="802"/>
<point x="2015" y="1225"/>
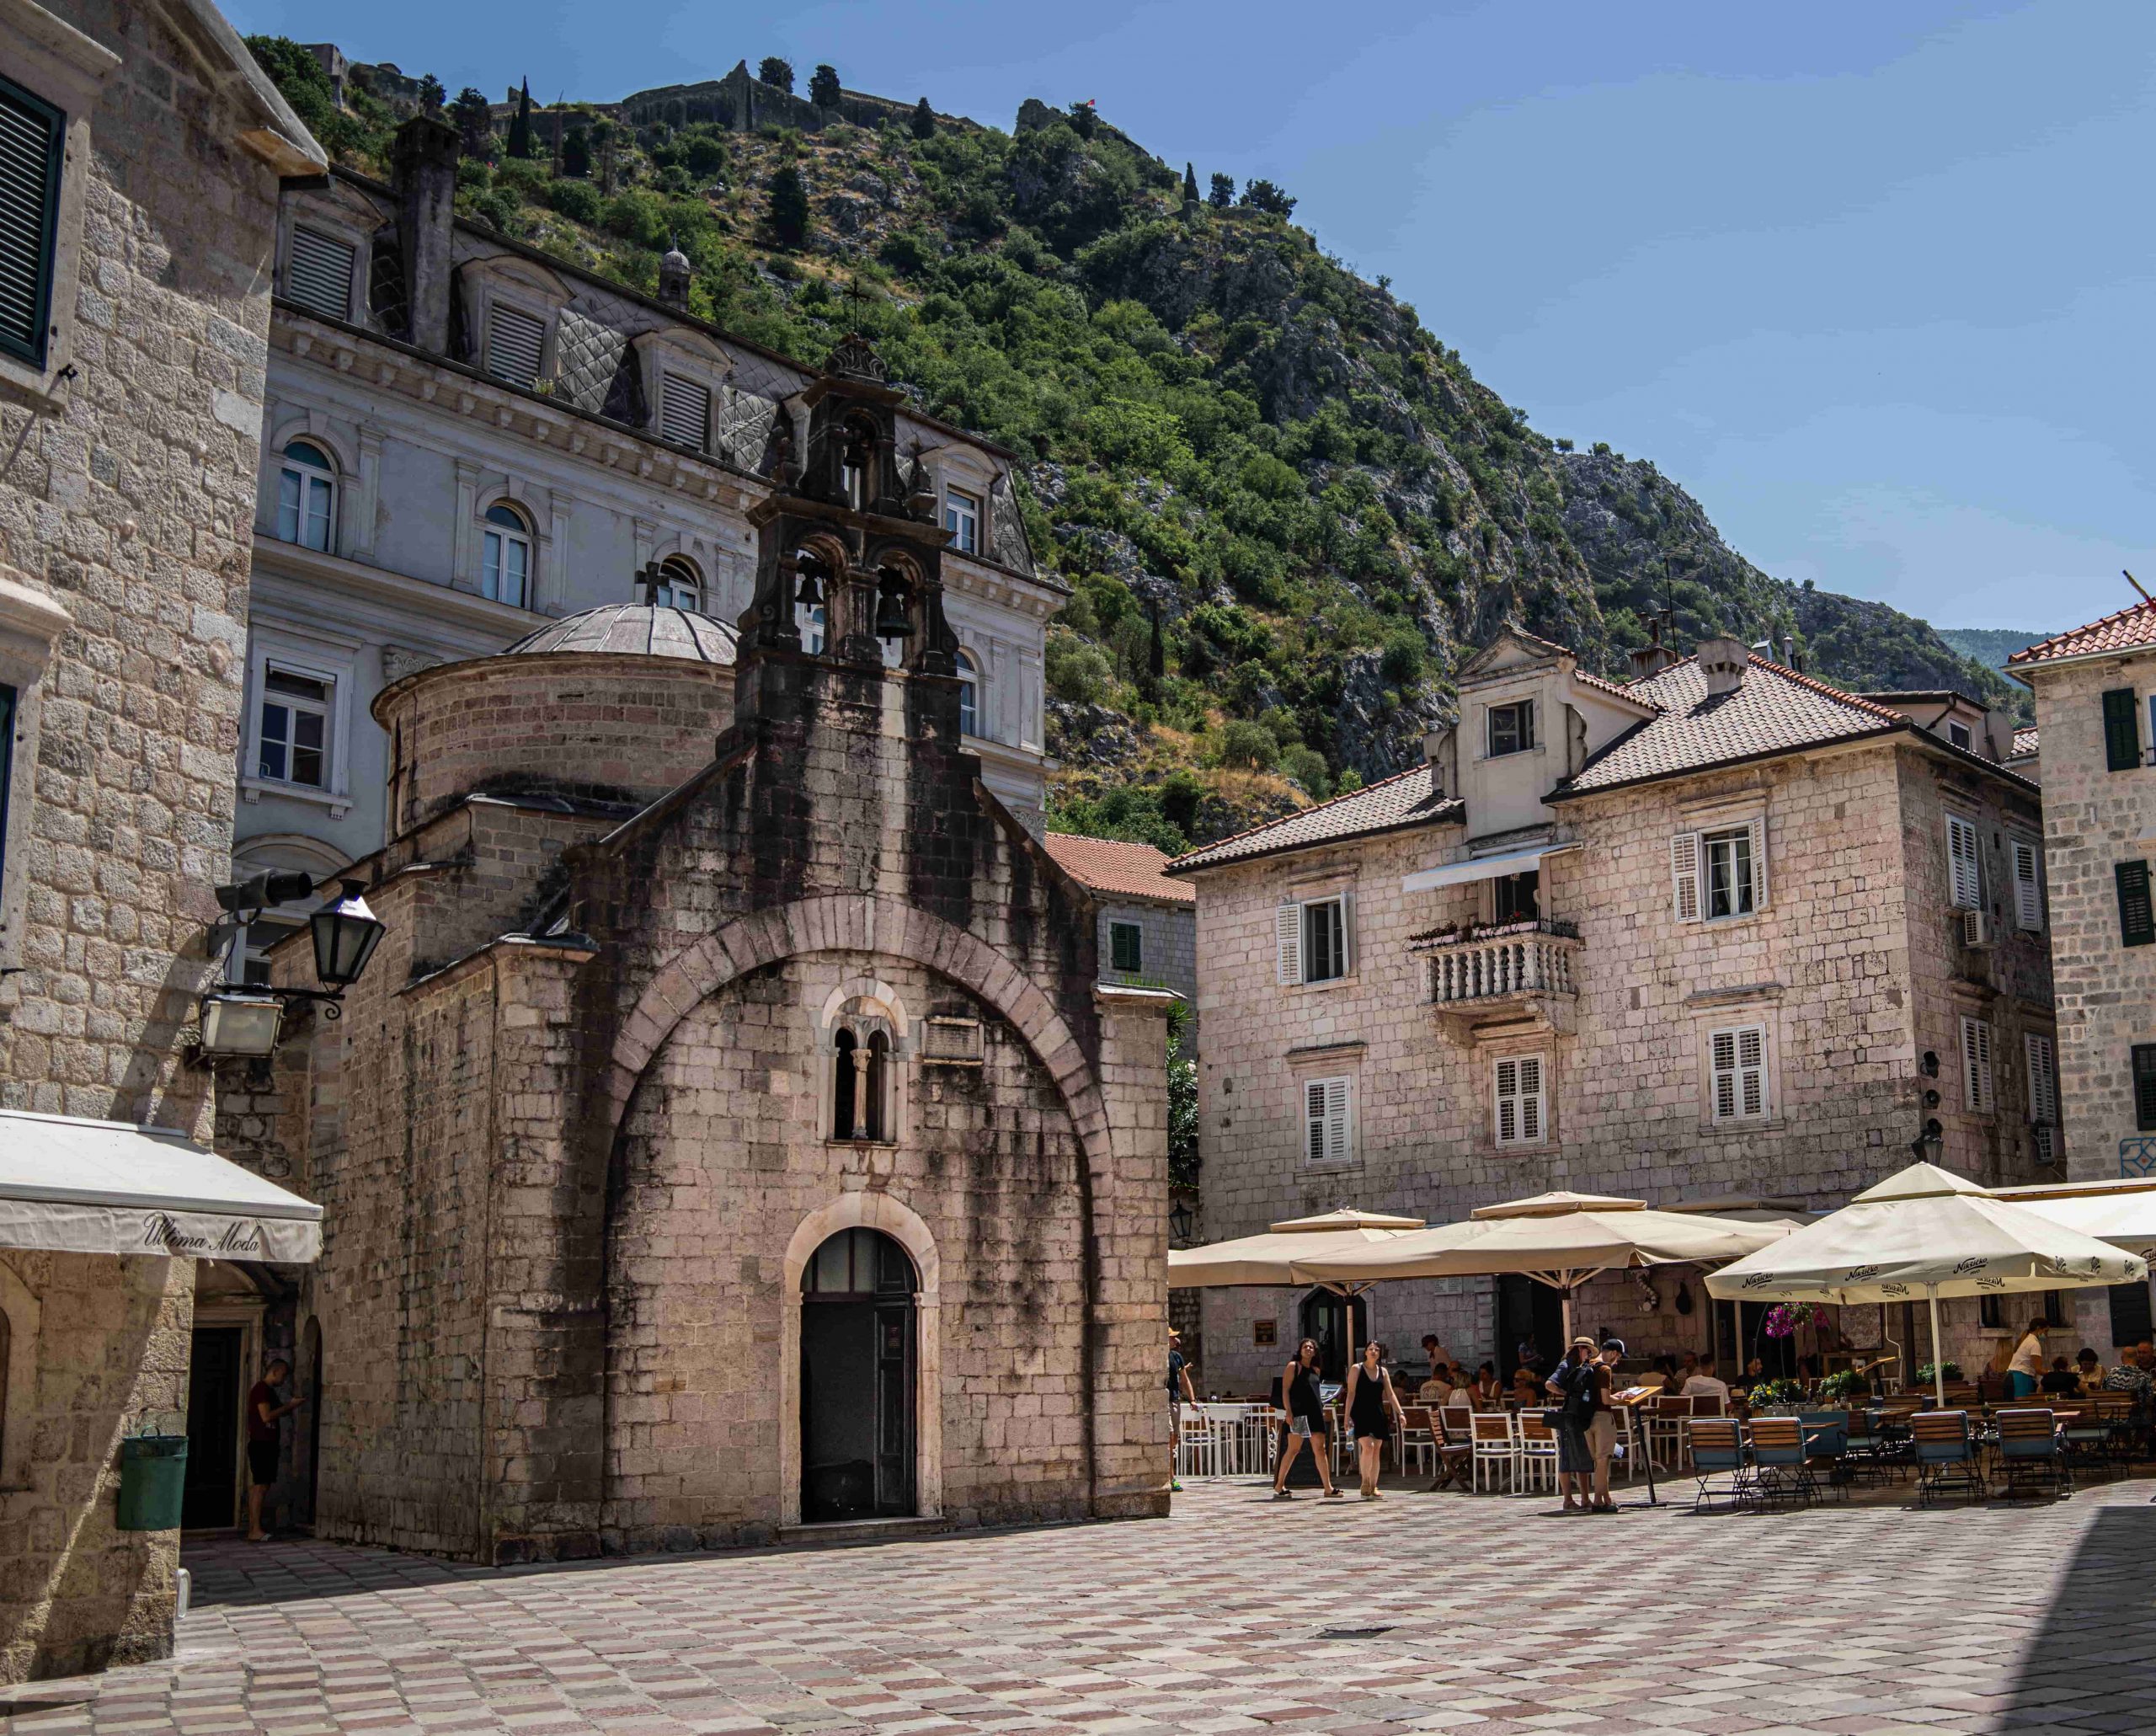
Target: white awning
<point x="1493" y="866"/>
<point x="109" y="1187"/>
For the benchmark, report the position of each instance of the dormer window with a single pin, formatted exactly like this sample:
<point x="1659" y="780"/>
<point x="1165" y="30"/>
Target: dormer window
<point x="1512" y="727"/>
<point x="515" y="342"/>
<point x="679" y="586"/>
<point x="1958" y="734"/>
<point x="319" y="274"/>
<point x="685" y="413"/>
<point x="962" y="519"/>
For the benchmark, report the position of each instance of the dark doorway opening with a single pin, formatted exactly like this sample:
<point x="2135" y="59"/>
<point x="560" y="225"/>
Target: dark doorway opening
<point x="1326" y="1317"/>
<point x="210" y="1499"/>
<point x="1777" y="1356"/>
<point x="1531" y="1314"/>
<point x="311" y="1353"/>
<point x="858" y="1327"/>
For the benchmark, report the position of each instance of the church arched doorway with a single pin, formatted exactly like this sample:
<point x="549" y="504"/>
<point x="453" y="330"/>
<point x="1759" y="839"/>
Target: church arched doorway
<point x="858" y="1330"/>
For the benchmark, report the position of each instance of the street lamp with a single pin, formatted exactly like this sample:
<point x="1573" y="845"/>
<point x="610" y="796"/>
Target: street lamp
<point x="244" y="1022"/>
<point x="346" y="935"/>
<point x="1183" y="1222"/>
<point x="1929" y="1145"/>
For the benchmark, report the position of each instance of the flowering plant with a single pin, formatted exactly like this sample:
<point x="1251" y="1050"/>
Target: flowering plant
<point x="1783" y="1318"/>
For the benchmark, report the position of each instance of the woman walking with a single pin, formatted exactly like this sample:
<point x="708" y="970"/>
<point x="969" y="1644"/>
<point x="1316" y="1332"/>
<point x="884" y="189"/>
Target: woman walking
<point x="1371" y="1404"/>
<point x="1305" y="1409"/>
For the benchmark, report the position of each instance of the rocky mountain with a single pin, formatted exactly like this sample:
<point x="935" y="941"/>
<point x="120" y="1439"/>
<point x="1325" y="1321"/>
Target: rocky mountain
<point x="1990" y="646"/>
<point x="1286" y="509"/>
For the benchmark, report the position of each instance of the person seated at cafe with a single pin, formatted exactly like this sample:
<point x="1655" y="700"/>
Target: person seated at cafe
<point x="1527" y="1385"/>
<point x="1665" y="1372"/>
<point x="2062" y="1382"/>
<point x="1481" y="1392"/>
<point x="1704" y="1382"/>
<point x="2090" y="1370"/>
<point x="1687" y="1367"/>
<point x="1439" y="1388"/>
<point x="1754" y="1372"/>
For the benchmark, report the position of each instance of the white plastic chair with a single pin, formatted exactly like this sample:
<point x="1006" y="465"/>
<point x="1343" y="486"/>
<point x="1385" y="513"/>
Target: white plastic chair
<point x="1496" y="1450"/>
<point x="1412" y="1433"/>
<point x="1538" y="1453"/>
<point x="1198" y="1443"/>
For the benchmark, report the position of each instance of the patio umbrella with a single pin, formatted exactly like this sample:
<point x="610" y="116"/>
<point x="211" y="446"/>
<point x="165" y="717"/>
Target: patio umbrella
<point x="2120" y="1212"/>
<point x="1272" y="1258"/>
<point x="1925" y="1231"/>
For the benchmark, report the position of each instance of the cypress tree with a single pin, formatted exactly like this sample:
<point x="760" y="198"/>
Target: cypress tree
<point x="777" y="73"/>
<point x="824" y="88"/>
<point x="924" y="120"/>
<point x="519" y="129"/>
<point x="789" y="207"/>
<point x="1189" y="184"/>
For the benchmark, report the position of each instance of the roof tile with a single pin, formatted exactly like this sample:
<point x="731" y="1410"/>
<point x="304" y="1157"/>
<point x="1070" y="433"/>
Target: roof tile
<point x="1121" y="869"/>
<point x="2130" y="629"/>
<point x="1409" y="797"/>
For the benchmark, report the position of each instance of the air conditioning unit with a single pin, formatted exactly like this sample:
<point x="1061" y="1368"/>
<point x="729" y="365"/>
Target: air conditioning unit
<point x="1976" y="928"/>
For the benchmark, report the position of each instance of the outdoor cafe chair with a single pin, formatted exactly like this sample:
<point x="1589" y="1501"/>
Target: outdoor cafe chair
<point x="1718" y="1450"/>
<point x="2115" y="1411"/>
<point x="2081" y="1432"/>
<point x="1455" y="1448"/>
<point x="1538" y="1453"/>
<point x="1455" y="1418"/>
<point x="1197" y="1443"/>
<point x="1865" y="1453"/>
<point x="2031" y="1453"/>
<point x="1496" y="1452"/>
<point x="1415" y="1432"/>
<point x="1780" y="1471"/>
<point x="1827" y="1441"/>
<point x="1666" y="1413"/>
<point x="1946" y="1455"/>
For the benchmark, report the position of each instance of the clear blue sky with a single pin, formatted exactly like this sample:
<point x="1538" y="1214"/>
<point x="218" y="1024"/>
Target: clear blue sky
<point x="1874" y="281"/>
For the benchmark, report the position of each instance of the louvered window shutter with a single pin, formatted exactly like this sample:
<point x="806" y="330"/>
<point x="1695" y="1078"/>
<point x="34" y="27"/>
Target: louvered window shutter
<point x="514" y="343"/>
<point x="1752" y="1071"/>
<point x="685" y="413"/>
<point x="321" y="274"/>
<point x="1335" y="1120"/>
<point x="1508" y="1092"/>
<point x="2028" y="889"/>
<point x="2043" y="1080"/>
<point x="1722" y="1066"/>
<point x="1530" y="1100"/>
<point x="1288" y="943"/>
<point x="1976" y="1067"/>
<point x="1684" y="875"/>
<point x="31" y="150"/>
<point x="1313" y="1121"/>
<point x="2137" y="922"/>
<point x="1346" y="934"/>
<point x="2121" y="730"/>
<point x="1759" y="863"/>
<point x="1964" y="868"/>
<point x="2144" y="1088"/>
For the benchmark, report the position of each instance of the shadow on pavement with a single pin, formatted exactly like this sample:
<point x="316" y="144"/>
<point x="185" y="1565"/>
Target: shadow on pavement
<point x="2092" y="1665"/>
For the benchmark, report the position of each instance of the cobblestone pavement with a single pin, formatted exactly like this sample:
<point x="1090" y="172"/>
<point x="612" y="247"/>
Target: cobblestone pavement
<point x="1487" y="1614"/>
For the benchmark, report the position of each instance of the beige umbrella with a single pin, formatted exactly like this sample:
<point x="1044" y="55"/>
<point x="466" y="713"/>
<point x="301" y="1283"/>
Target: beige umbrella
<point x="2120" y="1212"/>
<point x="1925" y="1231"/>
<point x="1558" y="1239"/>
<point x="1271" y="1259"/>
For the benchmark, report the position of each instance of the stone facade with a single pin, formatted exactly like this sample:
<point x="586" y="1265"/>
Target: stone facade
<point x="1851" y="968"/>
<point x="124" y="527"/>
<point x="569" y="1222"/>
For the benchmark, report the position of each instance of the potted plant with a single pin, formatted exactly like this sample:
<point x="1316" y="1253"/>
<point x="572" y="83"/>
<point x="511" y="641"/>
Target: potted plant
<point x="1775" y="1397"/>
<point x="1845" y="1386"/>
<point x="1930" y="1375"/>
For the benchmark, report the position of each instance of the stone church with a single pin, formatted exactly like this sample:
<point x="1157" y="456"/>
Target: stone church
<point x="733" y="1132"/>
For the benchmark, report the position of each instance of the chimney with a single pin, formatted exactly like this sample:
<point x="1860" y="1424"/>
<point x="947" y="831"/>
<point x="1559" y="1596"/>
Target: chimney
<point x="1650" y="659"/>
<point x="423" y="173"/>
<point x="1788" y="653"/>
<point x="1722" y="661"/>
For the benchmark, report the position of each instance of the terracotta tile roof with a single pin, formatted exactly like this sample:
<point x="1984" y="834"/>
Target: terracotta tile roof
<point x="2024" y="741"/>
<point x="1409" y="797"/>
<point x="1122" y="870"/>
<point x="2129" y="630"/>
<point x="1776" y="710"/>
<point x="1623" y="690"/>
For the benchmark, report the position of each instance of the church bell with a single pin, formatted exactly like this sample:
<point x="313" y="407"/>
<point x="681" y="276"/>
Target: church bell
<point x="892" y="621"/>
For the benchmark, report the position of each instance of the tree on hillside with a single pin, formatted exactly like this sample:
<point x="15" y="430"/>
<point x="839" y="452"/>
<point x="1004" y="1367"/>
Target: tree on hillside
<point x="430" y="93"/>
<point x="789" y="207"/>
<point x="1083" y="119"/>
<point x="823" y="89"/>
<point x="474" y="121"/>
<point x="519" y="129"/>
<point x="1223" y="193"/>
<point x="576" y="154"/>
<point x="1263" y="195"/>
<point x="777" y="73"/>
<point x="1189" y="184"/>
<point x="924" y="120"/>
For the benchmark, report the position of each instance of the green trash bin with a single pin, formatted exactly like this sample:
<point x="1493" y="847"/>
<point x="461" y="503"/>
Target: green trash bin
<point x="153" y="1482"/>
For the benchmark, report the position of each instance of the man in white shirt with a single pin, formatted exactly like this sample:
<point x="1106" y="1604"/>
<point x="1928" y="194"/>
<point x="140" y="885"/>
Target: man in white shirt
<point x="1706" y="1383"/>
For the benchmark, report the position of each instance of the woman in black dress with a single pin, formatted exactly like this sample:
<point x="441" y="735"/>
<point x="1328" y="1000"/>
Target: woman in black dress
<point x="1305" y="1409"/>
<point x="1371" y="1405"/>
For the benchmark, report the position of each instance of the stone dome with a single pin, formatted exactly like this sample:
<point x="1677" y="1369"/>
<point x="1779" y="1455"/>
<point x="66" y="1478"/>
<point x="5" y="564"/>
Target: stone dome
<point x="635" y="630"/>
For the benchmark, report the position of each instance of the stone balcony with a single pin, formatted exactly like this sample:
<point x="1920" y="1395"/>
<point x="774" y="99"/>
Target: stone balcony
<point x="1501" y="973"/>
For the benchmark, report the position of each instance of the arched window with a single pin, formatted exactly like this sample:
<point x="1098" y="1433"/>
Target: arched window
<point x="844" y="1095"/>
<point x="864" y="1095"/>
<point x="680" y="586"/>
<point x="307" y="496"/>
<point x="877" y="1075"/>
<point x="809" y="618"/>
<point x="968" y="695"/>
<point x="857" y="465"/>
<point x="505" y="556"/>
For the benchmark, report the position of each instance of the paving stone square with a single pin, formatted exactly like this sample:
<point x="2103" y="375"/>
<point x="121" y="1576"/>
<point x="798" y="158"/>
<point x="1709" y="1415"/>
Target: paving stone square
<point x="1420" y="1612"/>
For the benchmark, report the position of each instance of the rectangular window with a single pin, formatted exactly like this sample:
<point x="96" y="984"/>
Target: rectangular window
<point x="1126" y="946"/>
<point x="1325" y="940"/>
<point x="2012" y="1313"/>
<point x="292" y="743"/>
<point x="320" y="275"/>
<point x="1976" y="1092"/>
<point x="685" y="413"/>
<point x="1516" y="898"/>
<point x="962" y="519"/>
<point x="1964" y="872"/>
<point x="1727" y="858"/>
<point x="303" y="506"/>
<point x="2137" y="922"/>
<point x="1958" y="734"/>
<point x="515" y="341"/>
<point x="1520" y="1106"/>
<point x="2144" y="1088"/>
<point x="2043" y="1092"/>
<point x="1736" y="1060"/>
<point x="2121" y="730"/>
<point x="2028" y="883"/>
<point x="1512" y="727"/>
<point x="1325" y="1121"/>
<point x="32" y="144"/>
<point x="2130" y="1311"/>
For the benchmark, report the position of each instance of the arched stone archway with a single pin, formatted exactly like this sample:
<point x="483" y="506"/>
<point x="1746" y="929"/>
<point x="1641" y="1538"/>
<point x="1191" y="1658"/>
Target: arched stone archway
<point x="866" y="1210"/>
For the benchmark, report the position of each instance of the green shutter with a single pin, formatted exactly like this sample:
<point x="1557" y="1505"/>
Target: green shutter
<point x="2144" y="1086"/>
<point x="2121" y="730"/>
<point x="32" y="142"/>
<point x="2137" y="919"/>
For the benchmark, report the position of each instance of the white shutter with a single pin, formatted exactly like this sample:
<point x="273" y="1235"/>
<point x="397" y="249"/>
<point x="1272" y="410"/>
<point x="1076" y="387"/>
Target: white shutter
<point x="2043" y="1080"/>
<point x="320" y="274"/>
<point x="1335" y="1120"/>
<point x="514" y="342"/>
<point x="1976" y="1067"/>
<point x="1530" y="1100"/>
<point x="1507" y="1095"/>
<point x="1759" y="863"/>
<point x="1313" y="1121"/>
<point x="1684" y="875"/>
<point x="685" y="413"/>
<point x="1965" y="871"/>
<point x="1752" y="1071"/>
<point x="1288" y="943"/>
<point x="1722" y="1066"/>
<point x="1346" y="934"/>
<point x="2028" y="889"/>
<point x="1521" y="1104"/>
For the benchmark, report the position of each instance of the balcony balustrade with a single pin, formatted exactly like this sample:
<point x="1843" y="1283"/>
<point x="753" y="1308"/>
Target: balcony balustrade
<point x="1525" y="966"/>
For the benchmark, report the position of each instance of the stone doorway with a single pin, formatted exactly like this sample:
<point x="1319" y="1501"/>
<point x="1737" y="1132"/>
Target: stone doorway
<point x="215" y="1388"/>
<point x="858" y="1379"/>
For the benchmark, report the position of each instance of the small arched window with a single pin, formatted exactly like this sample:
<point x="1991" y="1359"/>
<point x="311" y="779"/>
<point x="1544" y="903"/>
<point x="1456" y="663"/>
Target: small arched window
<point x="864" y="1096"/>
<point x="876" y="1077"/>
<point x="844" y="1078"/>
<point x="968" y="695"/>
<point x="307" y="496"/>
<point x="505" y="556"/>
<point x="857" y="465"/>
<point x="809" y="618"/>
<point x="680" y="586"/>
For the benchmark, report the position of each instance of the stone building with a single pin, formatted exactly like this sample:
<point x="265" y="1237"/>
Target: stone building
<point x="2095" y="691"/>
<point x="1721" y="933"/>
<point x="747" y="1136"/>
<point x="465" y="439"/>
<point x="137" y="226"/>
<point x="1148" y="924"/>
